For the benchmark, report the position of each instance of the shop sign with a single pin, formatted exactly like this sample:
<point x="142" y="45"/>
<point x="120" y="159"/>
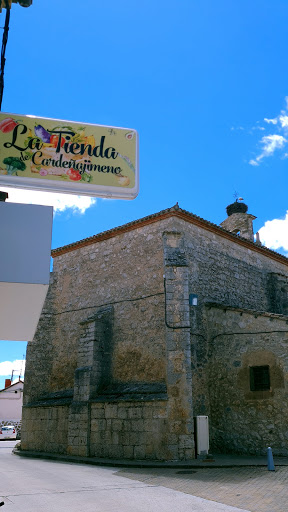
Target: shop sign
<point x="70" y="157"/>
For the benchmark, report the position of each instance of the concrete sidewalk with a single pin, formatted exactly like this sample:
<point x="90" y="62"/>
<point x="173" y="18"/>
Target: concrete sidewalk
<point x="38" y="485"/>
<point x="234" y="481"/>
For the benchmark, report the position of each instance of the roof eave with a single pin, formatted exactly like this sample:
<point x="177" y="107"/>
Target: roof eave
<point x="175" y="211"/>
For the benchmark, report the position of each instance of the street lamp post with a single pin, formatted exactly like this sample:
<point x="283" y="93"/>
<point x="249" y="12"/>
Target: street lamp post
<point x="7" y="5"/>
<point x="23" y="3"/>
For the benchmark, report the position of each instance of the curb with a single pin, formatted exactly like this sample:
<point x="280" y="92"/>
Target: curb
<point x="143" y="463"/>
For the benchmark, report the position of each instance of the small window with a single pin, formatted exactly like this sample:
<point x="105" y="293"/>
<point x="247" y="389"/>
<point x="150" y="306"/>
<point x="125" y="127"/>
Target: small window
<point x="259" y="378"/>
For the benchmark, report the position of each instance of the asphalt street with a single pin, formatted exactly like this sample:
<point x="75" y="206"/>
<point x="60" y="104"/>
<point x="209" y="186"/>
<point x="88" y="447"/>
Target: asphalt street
<point x="37" y="485"/>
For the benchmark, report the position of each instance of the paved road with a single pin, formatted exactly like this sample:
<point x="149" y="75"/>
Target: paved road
<point x="34" y="485"/>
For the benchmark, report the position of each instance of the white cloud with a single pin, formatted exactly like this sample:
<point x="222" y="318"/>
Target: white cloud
<point x="60" y="202"/>
<point x="283" y="121"/>
<point x="272" y="121"/>
<point x="274" y="141"/>
<point x="274" y="233"/>
<point x="270" y="144"/>
<point x="6" y="368"/>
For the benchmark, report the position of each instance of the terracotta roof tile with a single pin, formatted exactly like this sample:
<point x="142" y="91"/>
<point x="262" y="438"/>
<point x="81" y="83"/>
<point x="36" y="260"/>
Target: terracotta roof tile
<point x="174" y="211"/>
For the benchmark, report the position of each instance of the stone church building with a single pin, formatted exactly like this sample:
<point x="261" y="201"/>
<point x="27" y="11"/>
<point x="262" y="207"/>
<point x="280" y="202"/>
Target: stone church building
<point x="155" y="322"/>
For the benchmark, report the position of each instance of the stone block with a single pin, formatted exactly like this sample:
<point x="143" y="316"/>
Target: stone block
<point x="134" y="438"/>
<point x="106" y="436"/>
<point x="137" y="425"/>
<point x="189" y="454"/>
<point x="186" y="441"/>
<point x="126" y="426"/>
<point x="159" y="412"/>
<point x="111" y="411"/>
<point x="135" y="412"/>
<point x="115" y="451"/>
<point x="122" y="413"/>
<point x="97" y="412"/>
<point x="117" y="425"/>
<point x="139" y="452"/>
<point x="147" y="412"/>
<point x="128" y="452"/>
<point x="124" y="438"/>
<point x="114" y="438"/>
<point x="173" y="451"/>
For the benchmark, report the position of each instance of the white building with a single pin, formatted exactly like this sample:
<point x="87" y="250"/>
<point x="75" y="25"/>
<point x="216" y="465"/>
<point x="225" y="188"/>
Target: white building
<point x="11" y="400"/>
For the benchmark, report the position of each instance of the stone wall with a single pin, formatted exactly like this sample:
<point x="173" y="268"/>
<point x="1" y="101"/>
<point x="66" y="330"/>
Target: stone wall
<point x="226" y="273"/>
<point x="126" y="272"/>
<point x="103" y="332"/>
<point x="131" y="430"/>
<point x="143" y="393"/>
<point x="241" y="420"/>
<point x="39" y="354"/>
<point x="118" y="344"/>
<point x="45" y="429"/>
<point x="278" y="293"/>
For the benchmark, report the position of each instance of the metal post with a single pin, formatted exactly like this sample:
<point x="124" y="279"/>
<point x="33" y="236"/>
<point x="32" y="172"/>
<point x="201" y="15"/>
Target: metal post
<point x="3" y="49"/>
<point x="4" y="195"/>
<point x="270" y="462"/>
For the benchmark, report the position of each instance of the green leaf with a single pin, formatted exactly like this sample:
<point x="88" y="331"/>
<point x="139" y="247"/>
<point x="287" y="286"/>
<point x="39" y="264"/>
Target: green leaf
<point x="63" y="128"/>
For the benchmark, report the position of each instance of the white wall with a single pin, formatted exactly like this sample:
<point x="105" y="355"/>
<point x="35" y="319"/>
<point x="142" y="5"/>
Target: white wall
<point x="25" y="251"/>
<point x="11" y="400"/>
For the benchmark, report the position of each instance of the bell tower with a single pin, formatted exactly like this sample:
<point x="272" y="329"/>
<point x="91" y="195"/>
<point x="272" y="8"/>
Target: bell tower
<point x="239" y="221"/>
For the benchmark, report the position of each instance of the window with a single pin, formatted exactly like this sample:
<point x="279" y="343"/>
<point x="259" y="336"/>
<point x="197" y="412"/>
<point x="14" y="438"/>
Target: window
<point x="259" y="378"/>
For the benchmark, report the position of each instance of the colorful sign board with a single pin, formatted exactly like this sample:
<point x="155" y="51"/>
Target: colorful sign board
<point x="68" y="157"/>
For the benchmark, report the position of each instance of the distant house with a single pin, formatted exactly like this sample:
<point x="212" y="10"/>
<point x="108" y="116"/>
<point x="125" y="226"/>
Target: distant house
<point x="11" y="400"/>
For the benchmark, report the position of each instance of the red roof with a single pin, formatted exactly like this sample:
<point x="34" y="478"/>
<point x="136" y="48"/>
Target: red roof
<point x="12" y="385"/>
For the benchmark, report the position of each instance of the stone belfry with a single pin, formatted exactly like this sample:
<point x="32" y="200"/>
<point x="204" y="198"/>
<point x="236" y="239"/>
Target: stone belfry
<point x="239" y="221"/>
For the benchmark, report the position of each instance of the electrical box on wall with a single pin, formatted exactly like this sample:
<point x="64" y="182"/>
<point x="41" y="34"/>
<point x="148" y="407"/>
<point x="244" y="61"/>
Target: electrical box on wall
<point x="202" y="435"/>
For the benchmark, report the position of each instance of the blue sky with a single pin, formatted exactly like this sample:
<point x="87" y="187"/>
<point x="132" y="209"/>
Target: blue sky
<point x="204" y="83"/>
